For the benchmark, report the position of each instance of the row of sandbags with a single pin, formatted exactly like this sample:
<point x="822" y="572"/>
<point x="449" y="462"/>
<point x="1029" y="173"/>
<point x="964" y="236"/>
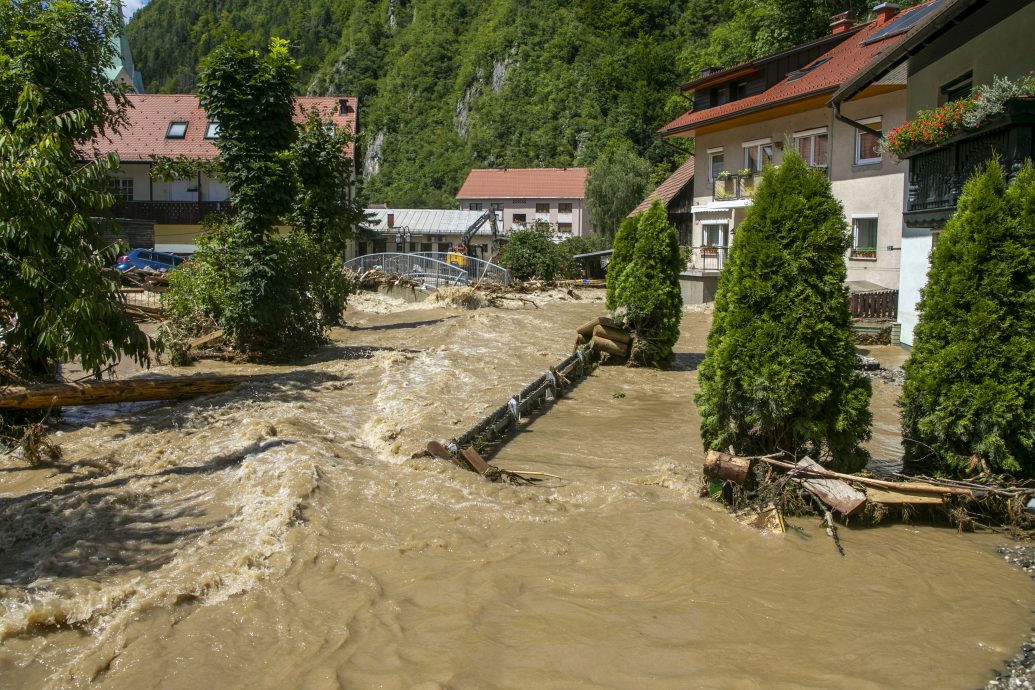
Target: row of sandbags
<point x="606" y="336"/>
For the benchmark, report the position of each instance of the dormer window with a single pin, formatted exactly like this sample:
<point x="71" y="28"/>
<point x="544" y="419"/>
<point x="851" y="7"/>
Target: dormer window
<point x="177" y="130"/>
<point x="329" y="128"/>
<point x="212" y="130"/>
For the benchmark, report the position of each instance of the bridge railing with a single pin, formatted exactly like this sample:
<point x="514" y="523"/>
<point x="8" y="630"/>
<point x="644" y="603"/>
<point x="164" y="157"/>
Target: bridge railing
<point x="430" y="271"/>
<point x="476" y="268"/>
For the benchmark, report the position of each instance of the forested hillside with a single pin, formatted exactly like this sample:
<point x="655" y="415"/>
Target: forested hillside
<point x="447" y="85"/>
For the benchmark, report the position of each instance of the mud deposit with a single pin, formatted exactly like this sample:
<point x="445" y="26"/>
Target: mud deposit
<point x="282" y="536"/>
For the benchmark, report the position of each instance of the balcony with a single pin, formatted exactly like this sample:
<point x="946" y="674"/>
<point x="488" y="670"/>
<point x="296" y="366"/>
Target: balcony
<point x="937" y="174"/>
<point x="735" y="186"/>
<point x="170" y="212"/>
<point x="707" y="259"/>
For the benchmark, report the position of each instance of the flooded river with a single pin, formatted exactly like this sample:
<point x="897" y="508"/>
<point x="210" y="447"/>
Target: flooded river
<point x="283" y="536"/>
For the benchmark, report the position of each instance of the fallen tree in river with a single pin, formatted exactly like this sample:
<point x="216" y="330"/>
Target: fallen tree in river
<point x="49" y="395"/>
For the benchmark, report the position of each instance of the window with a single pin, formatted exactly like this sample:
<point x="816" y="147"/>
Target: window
<point x="542" y="209"/>
<point x="564" y="208"/>
<point x="474" y="206"/>
<point x="957" y="89"/>
<point x="738" y="90"/>
<point x="714" y="234"/>
<point x="867" y="146"/>
<point x="212" y="130"/>
<point x="497" y="206"/>
<point x="864" y="237"/>
<point x="564" y="227"/>
<point x="121" y="189"/>
<point x="757" y="155"/>
<point x="813" y="146"/>
<point x="518" y="219"/>
<point x="717" y="163"/>
<point x="177" y="130"/>
<point x="329" y="128"/>
<point x="425" y="246"/>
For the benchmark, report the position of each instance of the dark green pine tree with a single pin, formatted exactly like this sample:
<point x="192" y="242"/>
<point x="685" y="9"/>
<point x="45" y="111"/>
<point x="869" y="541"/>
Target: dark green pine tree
<point x="621" y="255"/>
<point x="779" y="371"/>
<point x="968" y="403"/>
<point x="647" y="295"/>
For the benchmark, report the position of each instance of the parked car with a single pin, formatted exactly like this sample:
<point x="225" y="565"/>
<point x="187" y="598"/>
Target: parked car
<point x="148" y="258"/>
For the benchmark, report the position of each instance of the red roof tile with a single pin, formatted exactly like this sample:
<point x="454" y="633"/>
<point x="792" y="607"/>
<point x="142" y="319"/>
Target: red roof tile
<point x="667" y="190"/>
<point x="149" y="116"/>
<point x="827" y="72"/>
<point x="524" y="183"/>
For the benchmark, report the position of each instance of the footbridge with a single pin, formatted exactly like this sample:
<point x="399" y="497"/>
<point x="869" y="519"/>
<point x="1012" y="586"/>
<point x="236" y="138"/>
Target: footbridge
<point x="434" y="269"/>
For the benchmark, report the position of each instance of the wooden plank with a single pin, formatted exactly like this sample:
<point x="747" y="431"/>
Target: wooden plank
<point x="895" y="497"/>
<point x="127" y="390"/>
<point x="476" y="461"/>
<point x="837" y="494"/>
<point x="207" y="339"/>
<point x="441" y="452"/>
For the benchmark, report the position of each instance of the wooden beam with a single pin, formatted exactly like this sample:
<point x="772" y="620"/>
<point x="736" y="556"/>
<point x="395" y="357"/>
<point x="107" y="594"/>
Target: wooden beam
<point x="127" y="390"/>
<point x="837" y="494"/>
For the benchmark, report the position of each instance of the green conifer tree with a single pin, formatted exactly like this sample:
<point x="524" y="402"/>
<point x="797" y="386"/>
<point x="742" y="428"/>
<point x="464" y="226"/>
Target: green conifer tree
<point x="621" y="255"/>
<point x="647" y="296"/>
<point x="779" y="371"/>
<point x="968" y="403"/>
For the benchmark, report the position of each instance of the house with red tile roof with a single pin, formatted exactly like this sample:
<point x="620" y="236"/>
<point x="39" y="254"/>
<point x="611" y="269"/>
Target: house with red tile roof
<point x="175" y="125"/>
<point x="676" y="194"/>
<point x="746" y="116"/>
<point x="524" y="196"/>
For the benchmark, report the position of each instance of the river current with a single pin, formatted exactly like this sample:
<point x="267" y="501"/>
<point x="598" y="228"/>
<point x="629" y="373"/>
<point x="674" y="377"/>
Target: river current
<point x="284" y="535"/>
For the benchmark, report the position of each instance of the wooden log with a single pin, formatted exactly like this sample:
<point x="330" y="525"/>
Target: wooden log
<point x="127" y="390"/>
<point x="476" y="461"/>
<point x="615" y="334"/>
<point x="586" y="329"/>
<point x="895" y="497"/>
<point x="207" y="339"/>
<point x="609" y="346"/>
<point x="723" y="466"/>
<point x="837" y="494"/>
<point x="919" y="487"/>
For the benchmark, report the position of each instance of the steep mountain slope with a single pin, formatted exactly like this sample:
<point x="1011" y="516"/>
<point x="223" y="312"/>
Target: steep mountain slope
<point x="446" y="85"/>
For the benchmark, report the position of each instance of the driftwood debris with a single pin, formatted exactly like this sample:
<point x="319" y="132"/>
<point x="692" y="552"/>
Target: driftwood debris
<point x="833" y="492"/>
<point x="208" y="339"/>
<point x="896" y="497"/>
<point x="727" y="467"/>
<point x="127" y="390"/>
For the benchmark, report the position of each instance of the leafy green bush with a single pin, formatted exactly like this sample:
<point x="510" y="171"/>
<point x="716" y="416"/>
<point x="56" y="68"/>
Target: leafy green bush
<point x="621" y="254"/>
<point x="779" y="371"/>
<point x="573" y="246"/>
<point x="617" y="181"/>
<point x="646" y="294"/>
<point x="531" y="254"/>
<point x="968" y="403"/>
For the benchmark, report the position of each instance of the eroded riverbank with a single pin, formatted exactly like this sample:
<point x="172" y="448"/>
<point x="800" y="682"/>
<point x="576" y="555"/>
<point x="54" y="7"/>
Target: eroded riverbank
<point x="282" y="536"/>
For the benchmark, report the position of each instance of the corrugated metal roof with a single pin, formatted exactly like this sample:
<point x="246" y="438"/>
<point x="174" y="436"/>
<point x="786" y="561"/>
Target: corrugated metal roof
<point x="425" y="221"/>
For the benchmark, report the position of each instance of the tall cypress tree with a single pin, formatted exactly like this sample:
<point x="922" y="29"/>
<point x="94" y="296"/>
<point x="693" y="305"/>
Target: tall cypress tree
<point x="646" y="294"/>
<point x="968" y="403"/>
<point x="779" y="371"/>
<point x="621" y="254"/>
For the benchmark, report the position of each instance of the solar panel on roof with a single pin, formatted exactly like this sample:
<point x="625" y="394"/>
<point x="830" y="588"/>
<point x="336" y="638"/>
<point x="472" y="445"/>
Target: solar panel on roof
<point x="904" y="22"/>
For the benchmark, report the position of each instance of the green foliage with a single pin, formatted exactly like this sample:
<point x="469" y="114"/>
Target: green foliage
<point x="532" y="254"/>
<point x="647" y="292"/>
<point x="968" y="403"/>
<point x="621" y="255"/>
<point x="324" y="209"/>
<point x="779" y="371"/>
<point x="617" y="182"/>
<point x="54" y="97"/>
<point x="579" y="244"/>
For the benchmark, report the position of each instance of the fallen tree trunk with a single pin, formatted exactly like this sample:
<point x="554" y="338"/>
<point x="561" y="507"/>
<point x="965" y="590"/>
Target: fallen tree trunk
<point x="723" y="466"/>
<point x="128" y="390"/>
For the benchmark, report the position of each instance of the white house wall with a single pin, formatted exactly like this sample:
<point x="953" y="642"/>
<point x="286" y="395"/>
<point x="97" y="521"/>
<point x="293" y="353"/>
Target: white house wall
<point x="916" y="251"/>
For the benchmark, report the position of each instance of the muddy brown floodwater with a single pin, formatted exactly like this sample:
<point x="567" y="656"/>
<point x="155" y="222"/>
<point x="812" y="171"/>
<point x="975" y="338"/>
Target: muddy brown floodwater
<point x="281" y="536"/>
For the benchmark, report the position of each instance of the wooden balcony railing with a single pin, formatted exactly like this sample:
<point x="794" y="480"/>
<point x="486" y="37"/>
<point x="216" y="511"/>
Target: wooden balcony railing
<point x="882" y="304"/>
<point x="170" y="212"/>
<point x="937" y="174"/>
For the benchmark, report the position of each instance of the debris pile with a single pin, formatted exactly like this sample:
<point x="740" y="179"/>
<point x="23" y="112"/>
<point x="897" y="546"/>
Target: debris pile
<point x="605" y="336"/>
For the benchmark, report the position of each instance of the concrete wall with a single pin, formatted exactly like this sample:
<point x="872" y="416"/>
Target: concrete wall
<point x="916" y="250"/>
<point x="578" y="217"/>
<point x="697" y="289"/>
<point x="1004" y="50"/>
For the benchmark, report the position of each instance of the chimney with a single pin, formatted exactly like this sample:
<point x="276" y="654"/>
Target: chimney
<point x="840" y="23"/>
<point x="391" y="220"/>
<point x="885" y="11"/>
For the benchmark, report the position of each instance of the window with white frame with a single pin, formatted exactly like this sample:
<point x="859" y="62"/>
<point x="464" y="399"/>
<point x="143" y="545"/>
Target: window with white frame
<point x="758" y="154"/>
<point x="864" y="237"/>
<point x="715" y="234"/>
<point x="716" y="163"/>
<point x="813" y="146"/>
<point x="121" y="188"/>
<point x="867" y="145"/>
<point x="212" y="130"/>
